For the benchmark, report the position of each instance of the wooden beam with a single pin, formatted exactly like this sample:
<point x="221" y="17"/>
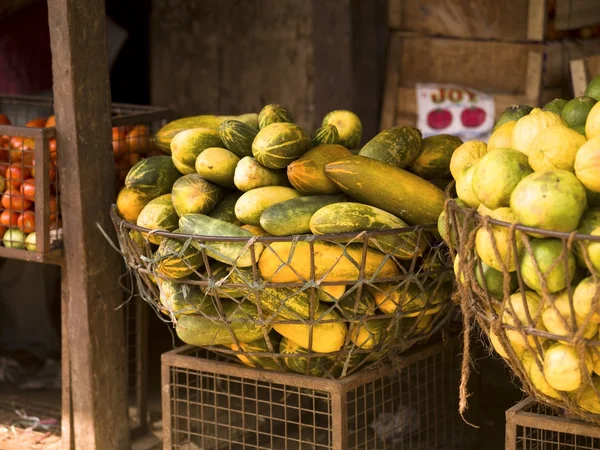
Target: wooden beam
<point x="86" y="175"/>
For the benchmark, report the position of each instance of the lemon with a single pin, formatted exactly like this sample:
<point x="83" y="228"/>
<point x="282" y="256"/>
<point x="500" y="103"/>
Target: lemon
<point x="528" y="127"/>
<point x="501" y="137"/>
<point x="592" y="124"/>
<point x="466" y="155"/>
<point x="587" y="164"/>
<point x="555" y="148"/>
<point x="562" y="368"/>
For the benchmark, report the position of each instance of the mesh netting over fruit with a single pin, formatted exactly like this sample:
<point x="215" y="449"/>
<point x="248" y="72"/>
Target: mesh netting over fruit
<point x="324" y="305"/>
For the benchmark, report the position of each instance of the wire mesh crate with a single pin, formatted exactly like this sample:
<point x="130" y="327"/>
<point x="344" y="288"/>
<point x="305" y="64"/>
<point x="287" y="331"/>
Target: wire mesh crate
<point x="30" y="219"/>
<point x="210" y="403"/>
<point x="535" y="426"/>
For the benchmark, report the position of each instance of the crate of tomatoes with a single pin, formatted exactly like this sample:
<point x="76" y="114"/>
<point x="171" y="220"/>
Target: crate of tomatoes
<point x="30" y="217"/>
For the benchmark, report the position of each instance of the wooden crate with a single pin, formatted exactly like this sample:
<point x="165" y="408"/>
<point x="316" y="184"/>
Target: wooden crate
<point x="582" y="72"/>
<point x="512" y="72"/>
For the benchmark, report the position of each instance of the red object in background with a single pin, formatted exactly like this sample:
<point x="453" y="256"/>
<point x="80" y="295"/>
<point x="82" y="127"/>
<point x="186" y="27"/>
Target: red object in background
<point x="25" y="58"/>
<point x="439" y="119"/>
<point x="28" y="189"/>
<point x="472" y="117"/>
<point x="9" y="219"/>
<point x="26" y="222"/>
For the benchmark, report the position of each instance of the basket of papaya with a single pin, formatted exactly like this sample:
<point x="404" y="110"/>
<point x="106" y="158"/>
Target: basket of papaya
<point x="284" y="251"/>
<point x="525" y="235"/>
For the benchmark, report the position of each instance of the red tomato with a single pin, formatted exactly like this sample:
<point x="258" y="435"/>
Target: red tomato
<point x="28" y="189"/>
<point x="4" y="120"/>
<point x="119" y="141"/>
<point x="17" y="173"/>
<point x="26" y="222"/>
<point x="14" y="201"/>
<point x="9" y="219"/>
<point x="52" y="148"/>
<point x="40" y="122"/>
<point x="53" y="209"/>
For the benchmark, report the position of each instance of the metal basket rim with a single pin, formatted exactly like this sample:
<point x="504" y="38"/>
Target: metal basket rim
<point x="546" y="233"/>
<point x="302" y="237"/>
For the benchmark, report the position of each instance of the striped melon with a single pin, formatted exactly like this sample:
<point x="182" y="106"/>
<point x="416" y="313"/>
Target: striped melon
<point x="217" y="165"/>
<point x="177" y="258"/>
<point x="273" y="114"/>
<point x="348" y="125"/>
<point x="253" y="350"/>
<point x="181" y="298"/>
<point x="327" y="134"/>
<point x="307" y="173"/>
<point x="237" y="137"/>
<point x="225" y="209"/>
<point x="250" y="174"/>
<point x="152" y="176"/>
<point x="278" y="144"/>
<point x="187" y="145"/>
<point x="158" y="214"/>
<point x="193" y="194"/>
<point x="436" y="153"/>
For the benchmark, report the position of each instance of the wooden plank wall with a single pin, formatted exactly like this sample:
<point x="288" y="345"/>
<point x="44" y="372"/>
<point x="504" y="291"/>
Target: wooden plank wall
<point x="234" y="56"/>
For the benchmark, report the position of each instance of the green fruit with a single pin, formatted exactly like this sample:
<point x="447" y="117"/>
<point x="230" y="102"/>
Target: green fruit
<point x="493" y="280"/>
<point x="225" y="209"/>
<point x="498" y="238"/>
<point x="314" y="366"/>
<point x="590" y="220"/>
<point x="187" y="145"/>
<point x="398" y="146"/>
<point x="464" y="186"/>
<point x="251" y="205"/>
<point x="355" y="217"/>
<point x="30" y="242"/>
<point x="152" y="176"/>
<point x="547" y="254"/>
<point x="436" y="153"/>
<point x="556" y="106"/>
<point x="510" y="113"/>
<point x="576" y="111"/>
<point x="348" y="125"/>
<point x="442" y="225"/>
<point x="580" y="129"/>
<point x="14" y="238"/>
<point x="230" y="252"/>
<point x="552" y="200"/>
<point x="278" y="144"/>
<point x="250" y="174"/>
<point x="193" y="194"/>
<point x="177" y="258"/>
<point x="408" y="197"/>
<point x="273" y="114"/>
<point x="496" y="175"/>
<point x="163" y="137"/>
<point x="180" y="298"/>
<point x="372" y="334"/>
<point x="237" y="137"/>
<point x="293" y="216"/>
<point x="217" y="165"/>
<point x="307" y="173"/>
<point x="209" y="329"/>
<point x="327" y="134"/>
<point x="159" y="214"/>
<point x="593" y="88"/>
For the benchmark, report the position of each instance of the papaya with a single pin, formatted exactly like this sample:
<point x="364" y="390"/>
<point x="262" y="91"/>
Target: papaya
<point x="217" y="165"/>
<point x="251" y="204"/>
<point x="278" y="144"/>
<point x="250" y="174"/>
<point x="398" y="146"/>
<point x="348" y="125"/>
<point x="436" y="153"/>
<point x="193" y="194"/>
<point x="284" y="262"/>
<point x="187" y="145"/>
<point x="307" y="173"/>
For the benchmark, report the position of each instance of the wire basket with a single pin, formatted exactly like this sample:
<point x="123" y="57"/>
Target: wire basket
<point x="320" y="305"/>
<point x="30" y="215"/>
<point x="536" y="294"/>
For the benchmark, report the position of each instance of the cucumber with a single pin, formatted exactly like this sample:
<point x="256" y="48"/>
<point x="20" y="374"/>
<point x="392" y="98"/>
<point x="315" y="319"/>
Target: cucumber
<point x="225" y="209"/>
<point x="293" y="216"/>
<point x="251" y="204"/>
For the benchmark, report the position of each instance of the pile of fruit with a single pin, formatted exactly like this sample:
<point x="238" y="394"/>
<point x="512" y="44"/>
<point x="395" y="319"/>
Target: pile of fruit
<point x="261" y="179"/>
<point x="18" y="172"/>
<point x="538" y="287"/>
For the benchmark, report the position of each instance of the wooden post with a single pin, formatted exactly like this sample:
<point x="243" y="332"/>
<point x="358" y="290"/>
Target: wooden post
<point x="349" y="45"/>
<point x="86" y="175"/>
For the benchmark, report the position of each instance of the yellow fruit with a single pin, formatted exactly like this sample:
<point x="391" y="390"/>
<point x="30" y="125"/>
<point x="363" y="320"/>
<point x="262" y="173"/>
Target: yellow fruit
<point x="501" y="137"/>
<point x="555" y="148"/>
<point x="484" y="244"/>
<point x="587" y="164"/>
<point x="533" y="305"/>
<point x="562" y="368"/>
<point x="484" y="210"/>
<point x="558" y="319"/>
<point x="528" y="127"/>
<point x="466" y="155"/>
<point x="592" y="124"/>
<point x="593" y="249"/>
<point x="583" y="299"/>
<point x="464" y="186"/>
<point x="536" y="376"/>
<point x="587" y="398"/>
<point x="497" y="344"/>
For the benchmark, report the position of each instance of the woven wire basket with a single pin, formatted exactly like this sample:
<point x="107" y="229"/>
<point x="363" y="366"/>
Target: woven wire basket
<point x="535" y="293"/>
<point x="320" y="305"/>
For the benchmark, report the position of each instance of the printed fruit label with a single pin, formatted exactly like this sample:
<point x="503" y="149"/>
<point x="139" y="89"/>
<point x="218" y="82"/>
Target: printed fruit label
<point x="456" y="110"/>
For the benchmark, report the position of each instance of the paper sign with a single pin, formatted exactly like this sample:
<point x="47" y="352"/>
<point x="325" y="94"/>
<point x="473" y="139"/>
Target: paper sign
<point x="455" y="110"/>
